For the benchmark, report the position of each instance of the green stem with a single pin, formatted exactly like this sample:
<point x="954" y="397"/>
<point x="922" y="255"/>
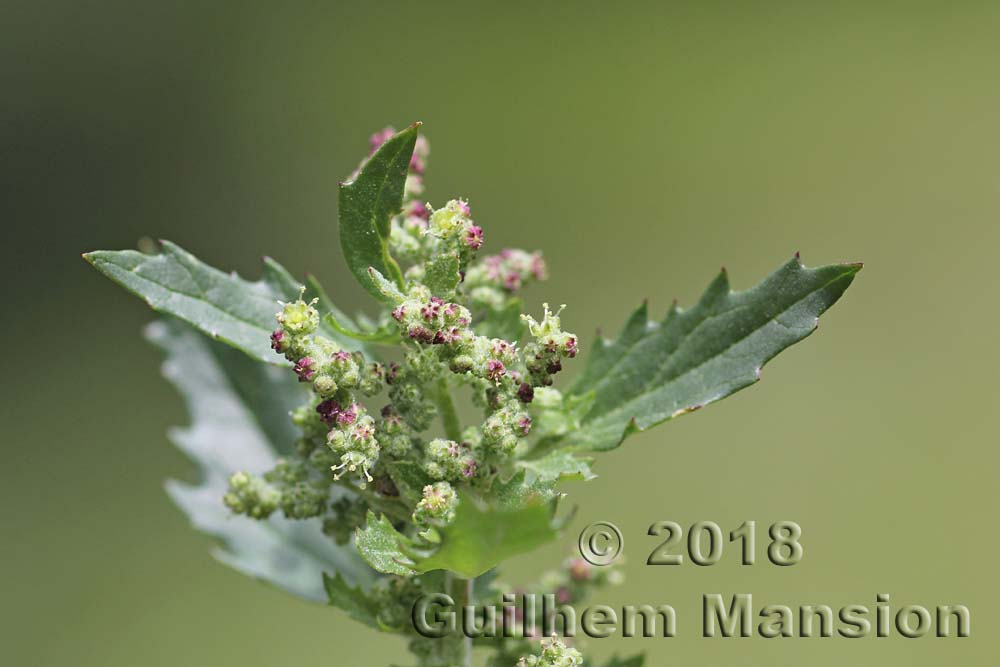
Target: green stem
<point x="461" y="592"/>
<point x="467" y="641"/>
<point x="393" y="508"/>
<point x="446" y="407"/>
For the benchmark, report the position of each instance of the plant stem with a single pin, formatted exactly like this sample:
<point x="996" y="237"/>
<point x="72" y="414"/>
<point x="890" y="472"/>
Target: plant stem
<point x="445" y="406"/>
<point x="467" y="649"/>
<point x="464" y="593"/>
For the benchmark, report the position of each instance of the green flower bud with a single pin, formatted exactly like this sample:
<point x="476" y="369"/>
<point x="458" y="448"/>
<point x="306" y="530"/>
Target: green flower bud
<point x="554" y="654"/>
<point x="437" y="507"/>
<point x="299" y="318"/>
<point x="251" y="496"/>
<point x="449" y="460"/>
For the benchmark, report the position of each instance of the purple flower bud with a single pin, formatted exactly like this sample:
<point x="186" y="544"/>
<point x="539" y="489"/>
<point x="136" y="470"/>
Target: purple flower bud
<point x="376" y="140"/>
<point x="348" y="415"/>
<point x="453" y="449"/>
<point x="421" y="334"/>
<point x="431" y="310"/>
<point x="524" y="423"/>
<point x="553" y="367"/>
<point x="474" y="237"/>
<point x="363" y="431"/>
<point x="469" y="469"/>
<point x="279" y="341"/>
<point x="538" y="269"/>
<point x="416" y="164"/>
<point x="399" y="313"/>
<point x="341" y="357"/>
<point x="419" y="209"/>
<point x="305" y="368"/>
<point x="526" y="393"/>
<point x="328" y="411"/>
<point x="571" y="347"/>
<point x="563" y="596"/>
<point x="463" y="206"/>
<point x="495" y="369"/>
<point x="512" y="281"/>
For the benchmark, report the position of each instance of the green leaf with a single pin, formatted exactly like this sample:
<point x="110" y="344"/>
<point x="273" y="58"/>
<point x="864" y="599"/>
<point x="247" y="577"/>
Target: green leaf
<point x="384" y="286"/>
<point x="388" y="334"/>
<point x="480" y="538"/>
<point x="410" y="480"/>
<point x="353" y="600"/>
<point x="221" y="305"/>
<point x="553" y="422"/>
<point x="368" y="203"/>
<point x="224" y="392"/>
<point x="655" y="372"/>
<point x="505" y="323"/>
<point x="380" y="545"/>
<point x="519" y="492"/>
<point x="556" y="466"/>
<point x="441" y="274"/>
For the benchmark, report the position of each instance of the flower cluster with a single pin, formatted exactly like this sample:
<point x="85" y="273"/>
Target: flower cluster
<point x="544" y="355"/>
<point x="456" y="319"/>
<point x="494" y="279"/>
<point x="437" y="506"/>
<point x="554" y="654"/>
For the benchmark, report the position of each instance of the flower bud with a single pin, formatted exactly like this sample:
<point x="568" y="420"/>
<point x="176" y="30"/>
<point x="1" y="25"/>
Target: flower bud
<point x="305" y="368"/>
<point x="279" y="341"/>
<point x="437" y="506"/>
<point x="299" y="318"/>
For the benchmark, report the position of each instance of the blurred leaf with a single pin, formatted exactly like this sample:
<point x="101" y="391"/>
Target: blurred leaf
<point x="353" y="600"/>
<point x="380" y="545"/>
<point x="505" y="323"/>
<point x="655" y="372"/>
<point x="480" y="538"/>
<point x="221" y="305"/>
<point x="368" y="203"/>
<point x="228" y="434"/>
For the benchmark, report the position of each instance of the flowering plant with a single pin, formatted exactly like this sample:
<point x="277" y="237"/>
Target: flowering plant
<point x="373" y="493"/>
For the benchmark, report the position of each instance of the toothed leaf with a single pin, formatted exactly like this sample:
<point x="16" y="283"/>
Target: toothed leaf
<point x="224" y="392"/>
<point x="380" y="545"/>
<point x="351" y="599"/>
<point x="657" y="371"/>
<point x="221" y="305"/>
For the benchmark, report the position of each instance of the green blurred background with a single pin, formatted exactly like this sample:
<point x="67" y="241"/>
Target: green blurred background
<point x="642" y="146"/>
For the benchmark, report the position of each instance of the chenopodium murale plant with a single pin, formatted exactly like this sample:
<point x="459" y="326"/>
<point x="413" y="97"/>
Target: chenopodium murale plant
<point x="339" y="441"/>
